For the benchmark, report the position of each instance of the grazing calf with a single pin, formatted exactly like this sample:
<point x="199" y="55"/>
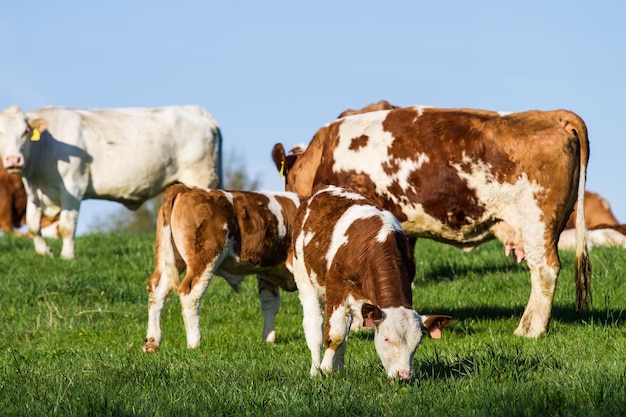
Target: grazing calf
<point x="355" y="259"/>
<point x="229" y="233"/>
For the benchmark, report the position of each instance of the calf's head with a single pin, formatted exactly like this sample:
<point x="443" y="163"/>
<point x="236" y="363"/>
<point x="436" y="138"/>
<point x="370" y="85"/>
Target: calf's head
<point x="398" y="333"/>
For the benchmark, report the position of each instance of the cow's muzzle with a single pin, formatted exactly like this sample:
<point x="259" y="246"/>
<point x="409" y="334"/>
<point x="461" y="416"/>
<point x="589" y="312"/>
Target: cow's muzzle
<point x="13" y="163"/>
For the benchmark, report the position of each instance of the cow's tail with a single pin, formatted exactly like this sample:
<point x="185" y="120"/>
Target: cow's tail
<point x="165" y="253"/>
<point x="582" y="269"/>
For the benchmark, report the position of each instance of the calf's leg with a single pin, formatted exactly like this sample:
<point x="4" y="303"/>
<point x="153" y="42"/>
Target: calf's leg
<point x="335" y="337"/>
<point x="159" y="286"/>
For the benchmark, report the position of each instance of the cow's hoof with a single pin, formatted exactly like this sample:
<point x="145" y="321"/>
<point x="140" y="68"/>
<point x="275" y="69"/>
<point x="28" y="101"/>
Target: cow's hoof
<point x="150" y="346"/>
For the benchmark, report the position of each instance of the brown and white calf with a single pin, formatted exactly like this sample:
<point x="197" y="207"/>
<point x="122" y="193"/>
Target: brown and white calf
<point x="355" y="260"/>
<point x="229" y="233"/>
<point x="464" y="177"/>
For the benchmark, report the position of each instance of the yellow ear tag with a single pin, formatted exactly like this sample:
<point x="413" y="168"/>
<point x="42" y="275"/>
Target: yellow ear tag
<point x="36" y="135"/>
<point x="282" y="167"/>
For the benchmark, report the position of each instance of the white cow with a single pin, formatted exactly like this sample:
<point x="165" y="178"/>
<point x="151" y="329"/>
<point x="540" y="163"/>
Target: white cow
<point x="124" y="155"/>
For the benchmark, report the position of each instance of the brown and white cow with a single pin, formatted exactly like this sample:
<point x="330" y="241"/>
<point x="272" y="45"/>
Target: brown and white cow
<point x="229" y="233"/>
<point x="464" y="177"/>
<point x="13" y="206"/>
<point x="354" y="259"/>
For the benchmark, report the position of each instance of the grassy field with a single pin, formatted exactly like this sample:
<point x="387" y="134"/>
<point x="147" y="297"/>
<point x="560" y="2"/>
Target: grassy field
<point x="71" y="334"/>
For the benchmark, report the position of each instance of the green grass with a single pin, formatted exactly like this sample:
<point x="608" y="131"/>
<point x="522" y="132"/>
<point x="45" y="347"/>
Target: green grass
<point x="71" y="334"/>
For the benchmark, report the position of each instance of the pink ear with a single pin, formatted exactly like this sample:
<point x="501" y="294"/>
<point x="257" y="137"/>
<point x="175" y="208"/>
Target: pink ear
<point x="369" y="323"/>
<point x="435" y="333"/>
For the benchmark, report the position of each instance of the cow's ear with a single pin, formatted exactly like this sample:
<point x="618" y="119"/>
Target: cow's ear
<point x="278" y="156"/>
<point x="433" y="323"/>
<point x="37" y="126"/>
<point x="372" y="315"/>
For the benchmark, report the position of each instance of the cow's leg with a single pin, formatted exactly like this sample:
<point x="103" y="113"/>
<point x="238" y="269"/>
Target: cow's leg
<point x="67" y="230"/>
<point x="335" y="338"/>
<point x="543" y="278"/>
<point x="312" y="323"/>
<point x="33" y="221"/>
<point x="159" y="286"/>
<point x="269" y="296"/>
<point x="191" y="291"/>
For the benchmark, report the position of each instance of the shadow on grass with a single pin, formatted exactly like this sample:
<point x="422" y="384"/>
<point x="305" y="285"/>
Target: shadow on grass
<point x="445" y="273"/>
<point x="561" y="314"/>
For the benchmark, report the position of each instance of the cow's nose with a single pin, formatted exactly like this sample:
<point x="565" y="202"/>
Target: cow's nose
<point x="13" y="161"/>
<point x="404" y="374"/>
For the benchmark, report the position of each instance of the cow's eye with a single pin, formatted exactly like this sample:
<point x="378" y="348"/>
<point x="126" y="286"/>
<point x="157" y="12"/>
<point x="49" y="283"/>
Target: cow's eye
<point x="387" y="341"/>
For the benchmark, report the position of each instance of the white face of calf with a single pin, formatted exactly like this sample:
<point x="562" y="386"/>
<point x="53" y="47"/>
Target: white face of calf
<point x="398" y="333"/>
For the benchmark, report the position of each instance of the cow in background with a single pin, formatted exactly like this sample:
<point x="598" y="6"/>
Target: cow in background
<point x="124" y="155"/>
<point x="353" y="260"/>
<point x="598" y="213"/>
<point x="229" y="233"/>
<point x="604" y="228"/>
<point x="13" y="207"/>
<point x="12" y="201"/>
<point x="464" y="177"/>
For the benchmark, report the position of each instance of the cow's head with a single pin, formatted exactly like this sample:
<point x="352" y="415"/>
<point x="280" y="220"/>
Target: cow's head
<point x="16" y="131"/>
<point x="398" y="333"/>
<point x="285" y="162"/>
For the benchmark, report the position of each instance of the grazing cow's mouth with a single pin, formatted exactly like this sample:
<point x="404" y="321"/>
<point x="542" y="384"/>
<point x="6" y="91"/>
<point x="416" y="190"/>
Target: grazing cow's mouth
<point x="14" y="170"/>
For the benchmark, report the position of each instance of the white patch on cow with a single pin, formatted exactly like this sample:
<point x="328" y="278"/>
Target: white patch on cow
<point x="504" y="113"/>
<point x="372" y="158"/>
<point x="513" y="203"/>
<point x="420" y="109"/>
<point x="341" y="192"/>
<point x="277" y="210"/>
<point x="339" y="237"/>
<point x="390" y="225"/>
<point x="228" y="196"/>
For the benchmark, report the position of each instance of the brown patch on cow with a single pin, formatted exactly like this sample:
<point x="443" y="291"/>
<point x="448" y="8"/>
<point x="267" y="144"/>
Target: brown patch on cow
<point x="358" y="143"/>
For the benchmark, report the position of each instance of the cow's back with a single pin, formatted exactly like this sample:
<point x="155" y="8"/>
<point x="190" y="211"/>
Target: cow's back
<point x="338" y="229"/>
<point x="249" y="232"/>
<point x="442" y="171"/>
<point x="129" y="155"/>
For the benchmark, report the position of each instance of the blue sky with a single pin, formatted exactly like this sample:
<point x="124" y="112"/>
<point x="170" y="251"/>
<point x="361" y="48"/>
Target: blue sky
<point x="277" y="71"/>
